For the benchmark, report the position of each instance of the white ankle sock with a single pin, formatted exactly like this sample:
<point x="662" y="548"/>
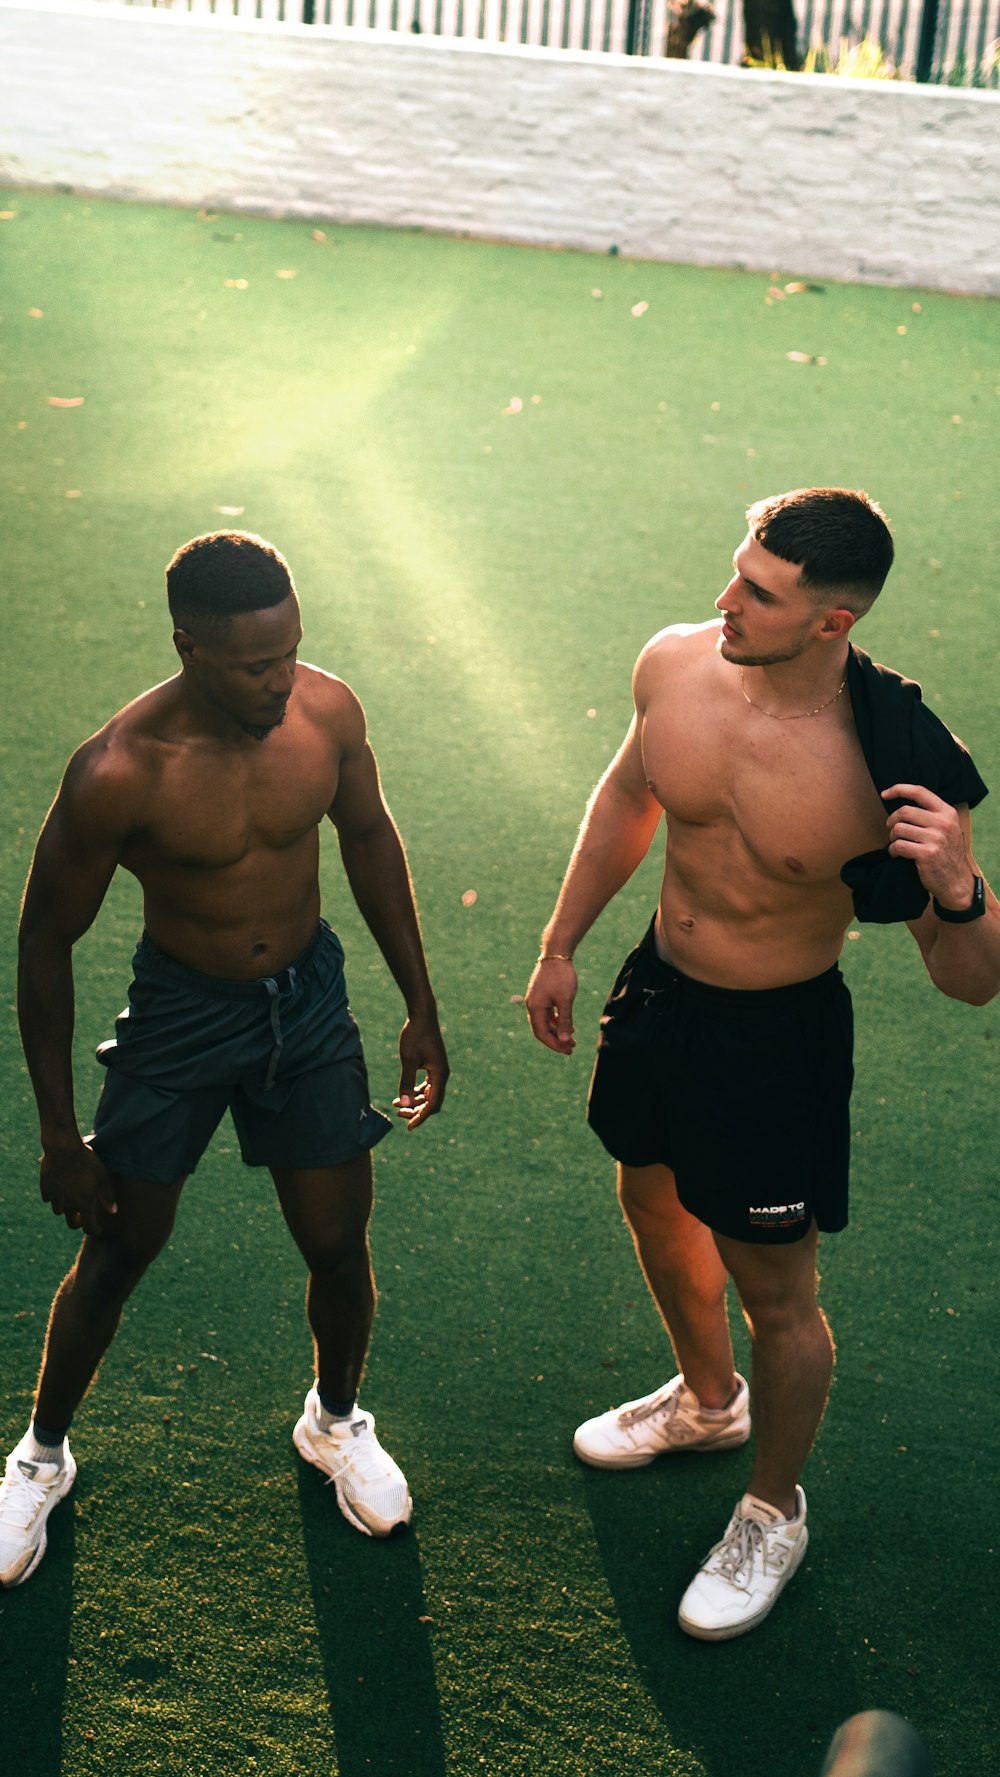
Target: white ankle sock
<point x="45" y="1452"/>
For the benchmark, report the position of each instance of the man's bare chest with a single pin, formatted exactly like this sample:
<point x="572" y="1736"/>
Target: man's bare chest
<point x="798" y="803"/>
<point x="212" y="813"/>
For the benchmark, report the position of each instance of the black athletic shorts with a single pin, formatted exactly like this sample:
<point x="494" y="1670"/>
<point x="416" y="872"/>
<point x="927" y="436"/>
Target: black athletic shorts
<point x="744" y="1095"/>
<point x="283" y="1054"/>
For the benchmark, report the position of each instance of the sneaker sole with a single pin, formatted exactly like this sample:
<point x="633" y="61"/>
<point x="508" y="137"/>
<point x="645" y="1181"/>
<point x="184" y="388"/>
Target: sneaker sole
<point x="729" y="1632"/>
<point x="43" y="1541"/>
<point x="724" y="1441"/>
<point x="300" y="1438"/>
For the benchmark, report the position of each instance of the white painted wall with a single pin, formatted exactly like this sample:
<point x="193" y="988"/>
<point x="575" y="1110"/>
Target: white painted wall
<point x="879" y="182"/>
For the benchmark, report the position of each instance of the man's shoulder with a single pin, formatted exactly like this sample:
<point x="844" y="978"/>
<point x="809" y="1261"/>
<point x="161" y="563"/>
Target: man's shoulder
<point x="680" y="645"/>
<point x="129" y="739"/>
<point x="330" y="702"/>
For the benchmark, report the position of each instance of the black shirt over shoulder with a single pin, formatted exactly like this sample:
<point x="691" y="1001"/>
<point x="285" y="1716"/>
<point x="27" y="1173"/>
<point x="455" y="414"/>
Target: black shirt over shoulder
<point x="903" y="742"/>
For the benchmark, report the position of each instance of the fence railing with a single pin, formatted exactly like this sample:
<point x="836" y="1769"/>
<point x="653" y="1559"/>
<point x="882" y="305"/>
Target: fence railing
<point x="952" y="42"/>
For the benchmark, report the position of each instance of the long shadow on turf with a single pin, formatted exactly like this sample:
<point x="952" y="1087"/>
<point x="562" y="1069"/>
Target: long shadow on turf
<point x="34" y="1653"/>
<point x="763" y="1705"/>
<point x="369" y="1600"/>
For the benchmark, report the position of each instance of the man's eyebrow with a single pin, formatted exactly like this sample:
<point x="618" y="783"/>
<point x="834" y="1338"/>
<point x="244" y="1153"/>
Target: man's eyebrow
<point x="272" y="659"/>
<point x="747" y="580"/>
<point x="269" y="660"/>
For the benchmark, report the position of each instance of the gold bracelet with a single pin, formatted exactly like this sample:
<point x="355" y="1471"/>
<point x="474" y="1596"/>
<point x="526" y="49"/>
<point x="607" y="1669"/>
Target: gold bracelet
<point x="555" y="956"/>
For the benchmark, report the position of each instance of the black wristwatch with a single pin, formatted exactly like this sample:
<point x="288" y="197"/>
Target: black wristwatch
<point x="962" y="915"/>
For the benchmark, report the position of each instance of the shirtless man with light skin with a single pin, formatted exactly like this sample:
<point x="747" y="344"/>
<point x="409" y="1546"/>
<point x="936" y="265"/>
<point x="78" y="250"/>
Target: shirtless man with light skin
<point x="211" y="789"/>
<point x="744" y="736"/>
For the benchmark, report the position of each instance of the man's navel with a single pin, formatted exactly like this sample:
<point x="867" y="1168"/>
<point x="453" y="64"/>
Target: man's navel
<point x="793" y="864"/>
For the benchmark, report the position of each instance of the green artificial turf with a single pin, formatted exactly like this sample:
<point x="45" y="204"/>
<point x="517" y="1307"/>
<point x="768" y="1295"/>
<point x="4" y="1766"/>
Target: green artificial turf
<point x="484" y="579"/>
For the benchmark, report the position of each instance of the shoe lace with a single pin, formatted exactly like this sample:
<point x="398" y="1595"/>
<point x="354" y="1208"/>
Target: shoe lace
<point x="736" y="1550"/>
<point x="21" y="1500"/>
<point x="659" y="1406"/>
<point x="360" y="1454"/>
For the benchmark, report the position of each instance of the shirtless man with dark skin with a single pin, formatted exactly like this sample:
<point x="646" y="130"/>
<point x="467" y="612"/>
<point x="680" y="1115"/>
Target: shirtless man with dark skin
<point x="211" y="789"/>
<point x="744" y="736"/>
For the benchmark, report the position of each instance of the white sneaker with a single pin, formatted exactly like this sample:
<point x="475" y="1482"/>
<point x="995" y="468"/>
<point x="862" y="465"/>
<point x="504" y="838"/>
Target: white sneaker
<point x="672" y="1418"/>
<point x="371" y="1489"/>
<point x="742" y="1577"/>
<point x="29" y="1491"/>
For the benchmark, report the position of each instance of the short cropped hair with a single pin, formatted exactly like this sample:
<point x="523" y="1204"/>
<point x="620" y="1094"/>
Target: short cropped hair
<point x="222" y="575"/>
<point x="836" y="535"/>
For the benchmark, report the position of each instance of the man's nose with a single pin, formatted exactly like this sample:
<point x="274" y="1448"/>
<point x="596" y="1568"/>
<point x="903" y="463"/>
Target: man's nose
<point x="727" y="600"/>
<point x="280" y="681"/>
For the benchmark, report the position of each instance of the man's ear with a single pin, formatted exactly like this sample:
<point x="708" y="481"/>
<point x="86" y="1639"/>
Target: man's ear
<point x="185" y="644"/>
<point x="835" y="625"/>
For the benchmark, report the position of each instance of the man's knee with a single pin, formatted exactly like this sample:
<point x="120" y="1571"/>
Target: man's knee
<point x="107" y="1271"/>
<point x="776" y="1284"/>
<point x="110" y="1264"/>
<point x="337" y="1254"/>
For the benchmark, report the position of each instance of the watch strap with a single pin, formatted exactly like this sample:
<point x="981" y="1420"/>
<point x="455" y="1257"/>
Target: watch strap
<point x="962" y="915"/>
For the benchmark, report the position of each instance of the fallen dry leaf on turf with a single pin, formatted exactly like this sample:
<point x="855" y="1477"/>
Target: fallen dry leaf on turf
<point x="318" y="235"/>
<point x="639" y="308"/>
<point x="778" y="295"/>
<point x="800" y="357"/>
<point x="597" y="294"/>
<point x="286" y="274"/>
<point x="65" y="400"/>
<point x="516" y="405"/>
<point x="72" y="493"/>
<point x="7" y="215"/>
<point x="469" y="898"/>
<point x="229" y="511"/>
<point x="237" y="284"/>
<point x="36" y="314"/>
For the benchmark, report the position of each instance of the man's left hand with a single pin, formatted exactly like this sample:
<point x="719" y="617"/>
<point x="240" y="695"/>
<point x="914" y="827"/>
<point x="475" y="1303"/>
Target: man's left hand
<point x="421" y="1051"/>
<point x="930" y="832"/>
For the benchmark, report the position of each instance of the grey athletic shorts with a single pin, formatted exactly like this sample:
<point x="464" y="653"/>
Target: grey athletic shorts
<point x="283" y="1054"/>
<point x="744" y="1095"/>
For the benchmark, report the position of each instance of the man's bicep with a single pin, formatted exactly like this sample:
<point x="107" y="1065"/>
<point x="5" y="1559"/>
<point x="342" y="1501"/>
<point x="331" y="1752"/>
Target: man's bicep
<point x="72" y="867"/>
<point x="358" y="807"/>
<point x="626" y="775"/>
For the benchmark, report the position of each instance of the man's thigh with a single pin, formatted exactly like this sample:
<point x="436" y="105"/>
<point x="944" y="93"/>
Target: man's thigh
<point x="139" y="1229"/>
<point x="326" y="1208"/>
<point x="648" y="1196"/>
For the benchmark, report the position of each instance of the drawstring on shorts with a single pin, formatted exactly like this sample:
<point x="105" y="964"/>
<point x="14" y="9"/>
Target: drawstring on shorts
<point x="274" y="994"/>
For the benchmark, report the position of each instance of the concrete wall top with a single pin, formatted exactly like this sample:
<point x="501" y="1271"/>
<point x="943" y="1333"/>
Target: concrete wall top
<point x="880" y="181"/>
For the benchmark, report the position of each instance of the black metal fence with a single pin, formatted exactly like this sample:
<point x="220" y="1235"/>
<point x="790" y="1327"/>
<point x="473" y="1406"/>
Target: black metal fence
<point x="949" y="42"/>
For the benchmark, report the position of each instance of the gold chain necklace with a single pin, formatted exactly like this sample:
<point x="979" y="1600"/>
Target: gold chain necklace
<point x="799" y="715"/>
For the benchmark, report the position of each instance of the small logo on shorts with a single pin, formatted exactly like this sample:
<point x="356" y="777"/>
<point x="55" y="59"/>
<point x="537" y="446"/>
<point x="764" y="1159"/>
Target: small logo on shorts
<point x="776" y="1215"/>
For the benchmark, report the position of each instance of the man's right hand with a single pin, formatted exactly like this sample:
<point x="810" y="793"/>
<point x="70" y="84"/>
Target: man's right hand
<point x="549" y="1003"/>
<point x="76" y="1184"/>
